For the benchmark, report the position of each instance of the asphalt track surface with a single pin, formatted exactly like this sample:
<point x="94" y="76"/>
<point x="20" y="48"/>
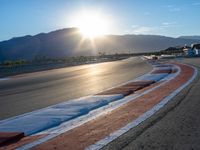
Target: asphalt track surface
<point x="28" y="92"/>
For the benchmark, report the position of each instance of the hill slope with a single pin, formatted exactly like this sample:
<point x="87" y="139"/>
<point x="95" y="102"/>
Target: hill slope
<point x="68" y="42"/>
<point x="195" y="37"/>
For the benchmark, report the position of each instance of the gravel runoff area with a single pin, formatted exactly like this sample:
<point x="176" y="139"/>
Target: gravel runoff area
<point x="174" y="127"/>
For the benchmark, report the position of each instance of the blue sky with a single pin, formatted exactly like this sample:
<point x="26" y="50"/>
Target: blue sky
<point x="161" y="17"/>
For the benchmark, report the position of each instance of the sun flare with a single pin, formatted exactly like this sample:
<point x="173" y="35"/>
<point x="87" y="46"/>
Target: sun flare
<point x="91" y="24"/>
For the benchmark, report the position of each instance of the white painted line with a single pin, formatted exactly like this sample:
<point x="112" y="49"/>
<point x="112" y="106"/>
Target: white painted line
<point x="100" y="144"/>
<point x="57" y="114"/>
<point x="56" y="131"/>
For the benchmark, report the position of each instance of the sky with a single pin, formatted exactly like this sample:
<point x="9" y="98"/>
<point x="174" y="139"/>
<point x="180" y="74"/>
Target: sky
<point x="160" y="17"/>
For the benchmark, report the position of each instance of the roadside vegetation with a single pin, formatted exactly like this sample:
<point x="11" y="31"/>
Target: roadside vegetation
<point x="39" y="63"/>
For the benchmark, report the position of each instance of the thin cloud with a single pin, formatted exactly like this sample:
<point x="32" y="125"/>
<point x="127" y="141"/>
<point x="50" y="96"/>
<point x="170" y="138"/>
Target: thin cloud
<point x="172" y="8"/>
<point x="164" y="26"/>
<point x="169" y="6"/>
<point x="175" y="9"/>
<point x="141" y="29"/>
<point x="196" y="4"/>
<point x="168" y="24"/>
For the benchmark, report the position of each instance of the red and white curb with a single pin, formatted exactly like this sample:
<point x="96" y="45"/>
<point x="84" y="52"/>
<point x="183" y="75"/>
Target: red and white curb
<point x="162" y="77"/>
<point x="64" y="127"/>
<point x="100" y="144"/>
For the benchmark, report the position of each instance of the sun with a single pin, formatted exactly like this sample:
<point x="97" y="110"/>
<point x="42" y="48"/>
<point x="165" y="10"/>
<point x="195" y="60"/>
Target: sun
<point x="91" y="24"/>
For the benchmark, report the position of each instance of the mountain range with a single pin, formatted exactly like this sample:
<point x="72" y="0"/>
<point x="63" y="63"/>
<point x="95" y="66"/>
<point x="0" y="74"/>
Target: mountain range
<point x="69" y="42"/>
<point x="195" y="37"/>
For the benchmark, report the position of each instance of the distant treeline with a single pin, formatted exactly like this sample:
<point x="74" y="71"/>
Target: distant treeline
<point x="9" y="63"/>
<point x="40" y="60"/>
<point x="40" y="63"/>
<point x="68" y="60"/>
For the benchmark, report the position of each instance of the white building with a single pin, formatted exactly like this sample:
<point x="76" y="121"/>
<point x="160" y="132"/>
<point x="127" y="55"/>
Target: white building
<point x="194" y="50"/>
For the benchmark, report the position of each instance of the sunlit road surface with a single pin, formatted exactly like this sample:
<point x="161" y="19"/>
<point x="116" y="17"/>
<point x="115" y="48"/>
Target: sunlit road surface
<point x="28" y="92"/>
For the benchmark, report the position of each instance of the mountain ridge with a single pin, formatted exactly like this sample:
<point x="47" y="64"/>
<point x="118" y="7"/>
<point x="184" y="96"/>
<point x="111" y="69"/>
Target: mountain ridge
<point x="195" y="37"/>
<point x="69" y="42"/>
